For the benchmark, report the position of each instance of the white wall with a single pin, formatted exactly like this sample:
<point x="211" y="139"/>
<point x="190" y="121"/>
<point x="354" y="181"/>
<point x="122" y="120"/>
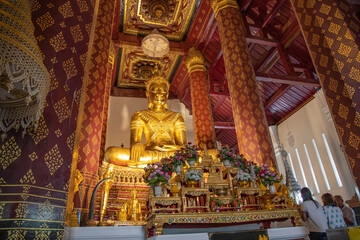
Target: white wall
<point x="309" y="123"/>
<point x="120" y="111"/>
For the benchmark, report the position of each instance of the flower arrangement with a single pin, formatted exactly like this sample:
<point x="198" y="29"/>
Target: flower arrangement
<point x="155" y="174"/>
<point x="168" y="164"/>
<point x="268" y="176"/>
<point x="241" y="162"/>
<point x="226" y="153"/>
<point x="216" y="201"/>
<point x="242" y="175"/>
<point x="189" y="152"/>
<point x="193" y="175"/>
<point x="237" y="201"/>
<point x="178" y="158"/>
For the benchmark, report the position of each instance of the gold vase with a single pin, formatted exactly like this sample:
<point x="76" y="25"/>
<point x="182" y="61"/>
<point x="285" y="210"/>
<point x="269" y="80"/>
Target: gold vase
<point x="191" y="183"/>
<point x="268" y="200"/>
<point x="243" y="183"/>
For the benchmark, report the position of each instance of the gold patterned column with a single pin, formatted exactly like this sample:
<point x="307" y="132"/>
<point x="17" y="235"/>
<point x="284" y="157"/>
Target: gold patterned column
<point x="250" y="123"/>
<point x="331" y="31"/>
<point x="200" y="100"/>
<point x="93" y="105"/>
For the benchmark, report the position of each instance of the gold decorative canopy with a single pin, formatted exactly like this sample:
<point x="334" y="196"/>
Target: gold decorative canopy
<point x="24" y="80"/>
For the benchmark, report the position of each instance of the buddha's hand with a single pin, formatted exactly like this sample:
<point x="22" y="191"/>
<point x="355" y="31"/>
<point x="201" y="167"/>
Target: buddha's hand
<point x="136" y="152"/>
<point x="167" y="148"/>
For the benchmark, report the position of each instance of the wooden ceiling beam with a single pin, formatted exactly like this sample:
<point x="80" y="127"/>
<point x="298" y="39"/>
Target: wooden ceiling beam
<point x="116" y="20"/>
<point x="184" y="85"/>
<point x="213" y="64"/>
<point x="218" y="104"/>
<point x="278" y="94"/>
<point x="209" y="32"/>
<point x="128" y="92"/>
<point x="265" y="59"/>
<point x="283" y="79"/>
<point x="246" y="5"/>
<point x="185" y="94"/>
<point x="273" y="12"/>
<point x="219" y="94"/>
<point x="262" y="41"/>
<point x="224" y="125"/>
<point x="285" y="60"/>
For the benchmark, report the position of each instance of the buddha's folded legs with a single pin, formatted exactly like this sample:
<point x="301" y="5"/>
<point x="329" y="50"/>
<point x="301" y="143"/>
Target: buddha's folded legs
<point x="121" y="156"/>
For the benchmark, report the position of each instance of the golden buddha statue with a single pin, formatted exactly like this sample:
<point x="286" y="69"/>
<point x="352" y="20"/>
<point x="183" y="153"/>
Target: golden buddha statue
<point x="134" y="209"/>
<point x="164" y="130"/>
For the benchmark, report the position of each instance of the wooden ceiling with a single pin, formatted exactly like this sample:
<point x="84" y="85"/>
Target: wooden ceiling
<point x="282" y="63"/>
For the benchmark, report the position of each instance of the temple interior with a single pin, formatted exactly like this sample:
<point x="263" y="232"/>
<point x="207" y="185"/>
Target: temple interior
<point x="97" y="89"/>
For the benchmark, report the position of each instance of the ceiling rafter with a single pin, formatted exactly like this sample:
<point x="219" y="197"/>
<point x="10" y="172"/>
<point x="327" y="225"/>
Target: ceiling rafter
<point x="283" y="79"/>
<point x="246" y="5"/>
<point x="273" y="12"/>
<point x="278" y="94"/>
<point x="218" y="104"/>
<point x="224" y="125"/>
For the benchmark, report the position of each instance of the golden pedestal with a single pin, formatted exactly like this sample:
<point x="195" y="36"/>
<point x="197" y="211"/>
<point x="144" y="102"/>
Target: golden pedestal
<point x="195" y="199"/>
<point x="165" y="204"/>
<point x="156" y="221"/>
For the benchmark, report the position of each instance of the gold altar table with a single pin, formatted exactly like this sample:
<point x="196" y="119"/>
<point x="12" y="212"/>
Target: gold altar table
<point x="156" y="221"/>
<point x="165" y="204"/>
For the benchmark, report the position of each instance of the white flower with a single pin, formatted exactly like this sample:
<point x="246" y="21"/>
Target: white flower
<point x="193" y="175"/>
<point x="242" y="175"/>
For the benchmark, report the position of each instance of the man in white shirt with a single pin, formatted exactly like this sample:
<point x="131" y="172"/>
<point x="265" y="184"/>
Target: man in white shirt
<point x="348" y="213"/>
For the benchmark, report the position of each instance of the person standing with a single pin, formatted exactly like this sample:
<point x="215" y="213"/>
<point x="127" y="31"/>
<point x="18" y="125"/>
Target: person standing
<point x="313" y="214"/>
<point x="332" y="212"/>
<point x="348" y="213"/>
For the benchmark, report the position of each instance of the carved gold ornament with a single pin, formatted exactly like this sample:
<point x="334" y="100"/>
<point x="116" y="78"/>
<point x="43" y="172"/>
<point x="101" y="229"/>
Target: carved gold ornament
<point x="218" y="5"/>
<point x="24" y="81"/>
<point x="195" y="61"/>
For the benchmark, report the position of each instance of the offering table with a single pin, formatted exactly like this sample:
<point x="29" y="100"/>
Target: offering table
<point x="156" y="221"/>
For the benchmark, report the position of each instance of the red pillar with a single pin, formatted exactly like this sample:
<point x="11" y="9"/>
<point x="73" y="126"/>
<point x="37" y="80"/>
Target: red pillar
<point x="95" y="95"/>
<point x="331" y="31"/>
<point x="250" y="122"/>
<point x="200" y="100"/>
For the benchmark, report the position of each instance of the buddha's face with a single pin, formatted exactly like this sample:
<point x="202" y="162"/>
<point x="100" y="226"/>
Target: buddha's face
<point x="157" y="94"/>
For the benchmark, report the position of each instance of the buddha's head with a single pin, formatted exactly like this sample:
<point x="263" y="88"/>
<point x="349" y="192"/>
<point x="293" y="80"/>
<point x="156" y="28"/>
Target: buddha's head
<point x="157" y="92"/>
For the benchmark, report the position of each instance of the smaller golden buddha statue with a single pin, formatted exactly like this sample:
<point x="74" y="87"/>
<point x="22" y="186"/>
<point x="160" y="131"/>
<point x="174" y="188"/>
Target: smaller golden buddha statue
<point x="73" y="218"/>
<point x="175" y="184"/>
<point x="134" y="209"/>
<point x="122" y="215"/>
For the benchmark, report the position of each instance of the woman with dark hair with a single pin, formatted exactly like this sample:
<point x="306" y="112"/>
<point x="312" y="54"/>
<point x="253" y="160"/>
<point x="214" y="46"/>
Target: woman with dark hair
<point x="332" y="212"/>
<point x="313" y="214"/>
